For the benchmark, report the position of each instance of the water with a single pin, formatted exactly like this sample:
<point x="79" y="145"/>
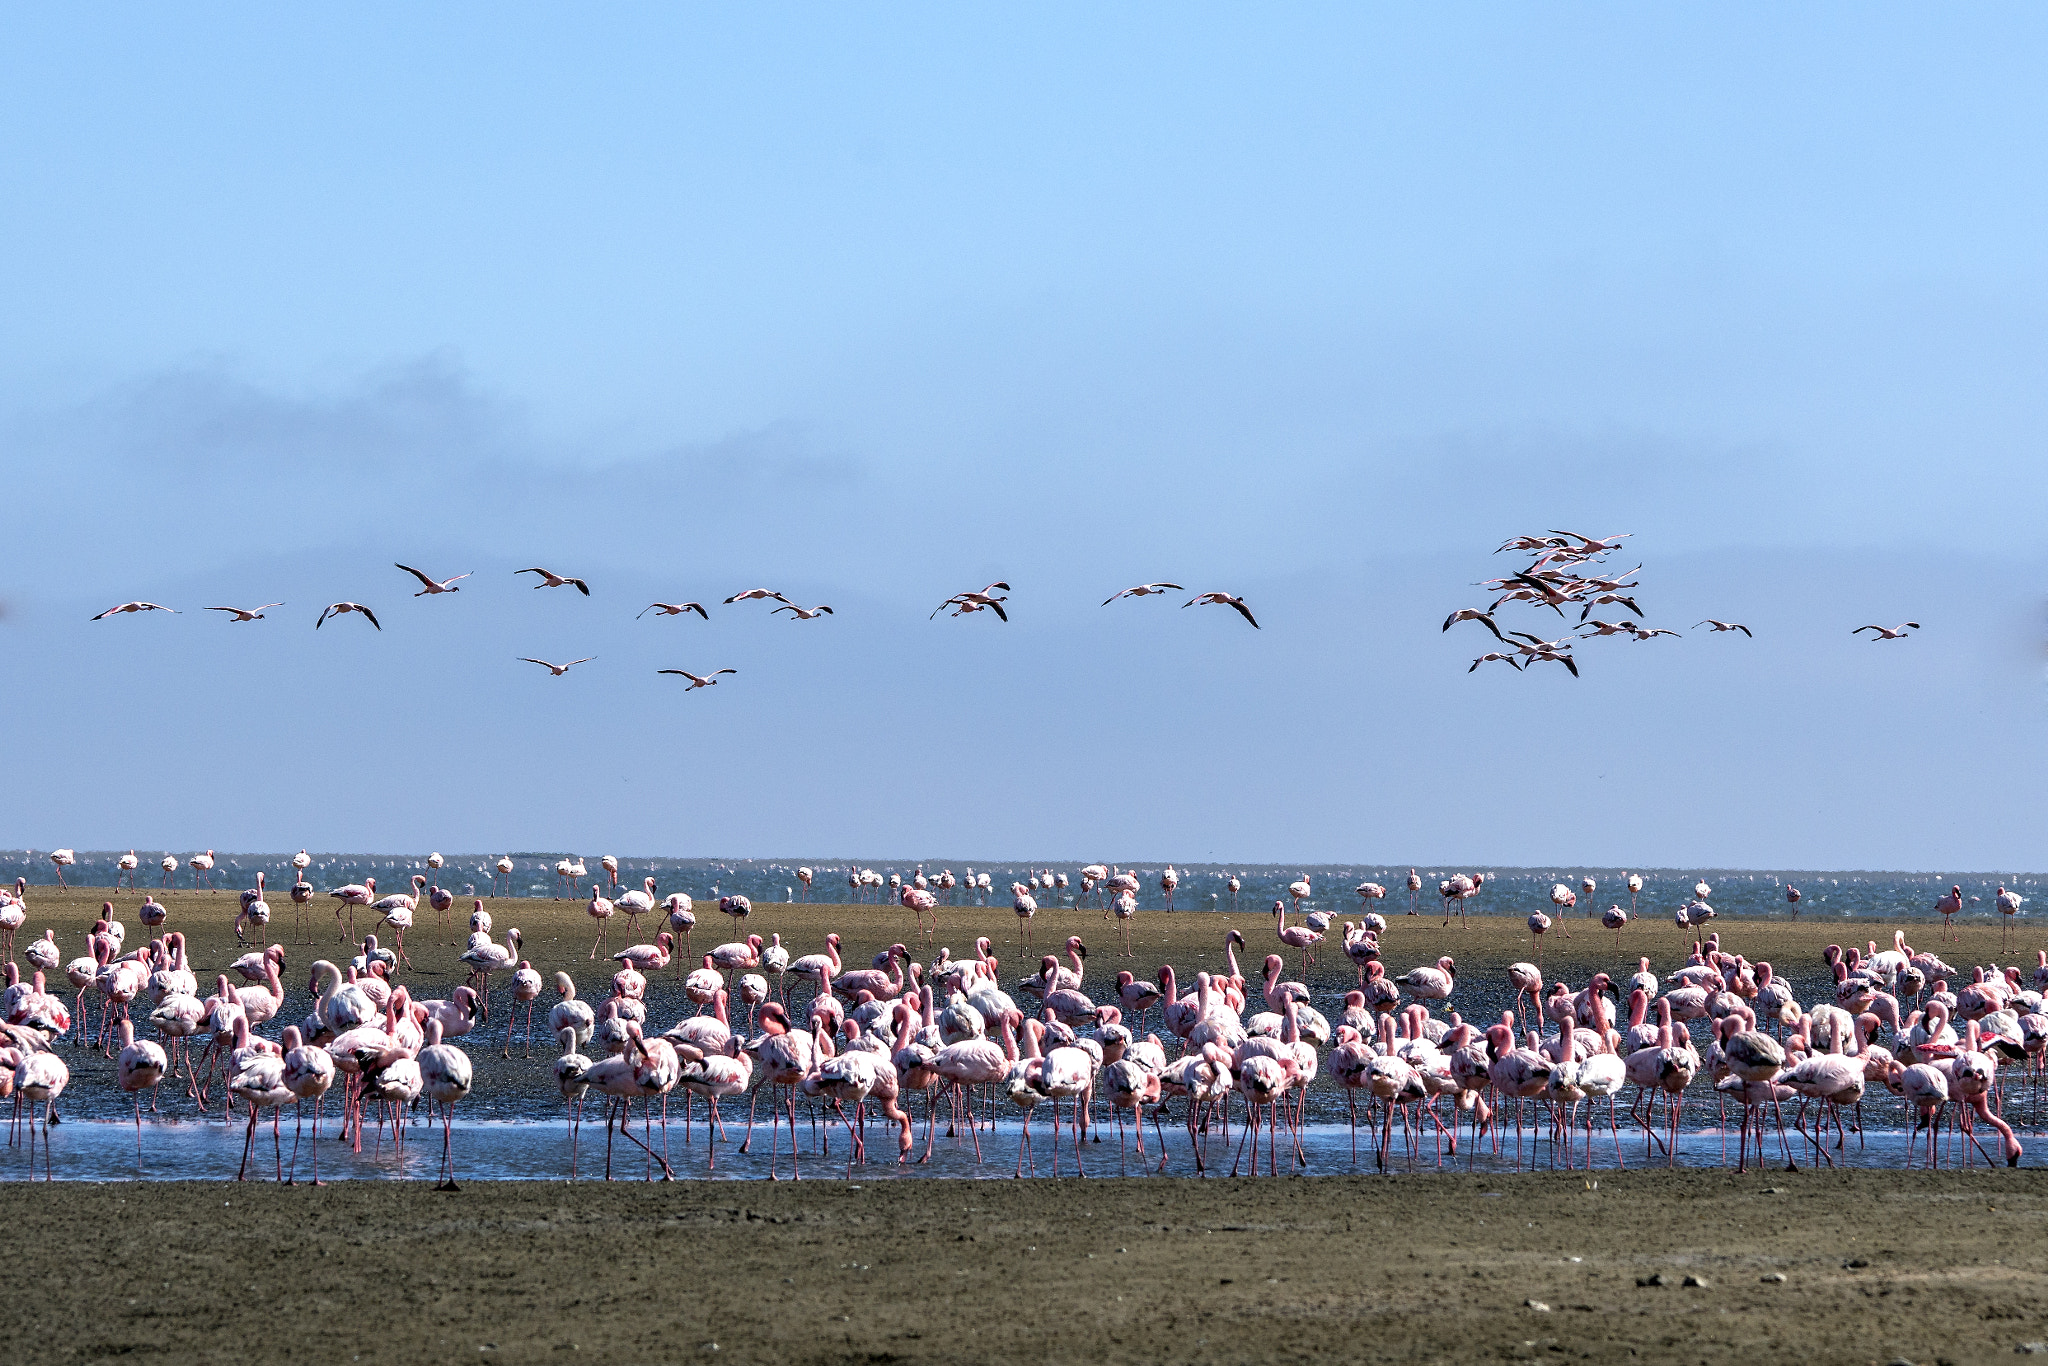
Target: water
<point x="509" y="1129"/>
<point x="185" y="1150"/>
<point x="1510" y="891"/>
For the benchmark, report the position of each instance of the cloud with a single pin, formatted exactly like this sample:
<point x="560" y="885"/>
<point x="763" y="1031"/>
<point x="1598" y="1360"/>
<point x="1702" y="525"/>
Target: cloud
<point x="203" y="465"/>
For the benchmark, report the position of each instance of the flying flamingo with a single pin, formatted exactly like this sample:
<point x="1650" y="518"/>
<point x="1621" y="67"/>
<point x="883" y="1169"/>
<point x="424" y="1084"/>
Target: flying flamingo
<point x="242" y="614"/>
<point x="337" y="609"/>
<point x="428" y="586"/>
<point x="550" y="579"/>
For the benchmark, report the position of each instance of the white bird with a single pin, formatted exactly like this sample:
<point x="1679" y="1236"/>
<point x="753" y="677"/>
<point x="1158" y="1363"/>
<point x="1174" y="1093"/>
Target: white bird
<point x="986" y="599"/>
<point x="556" y="669"/>
<point x="1888" y="632"/>
<point x="1224" y="600"/>
<point x="1142" y="590"/>
<point x="802" y="613"/>
<point x="432" y="585"/>
<point x="247" y="613"/>
<point x="753" y="593"/>
<point x="1724" y="626"/>
<point x="550" y="579"/>
<point x="696" y="680"/>
<point x="674" y="609"/>
<point x="335" y="609"/>
<point x="141" y="607"/>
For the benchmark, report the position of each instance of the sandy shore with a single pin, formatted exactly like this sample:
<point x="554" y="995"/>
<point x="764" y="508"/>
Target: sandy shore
<point x="1877" y="1267"/>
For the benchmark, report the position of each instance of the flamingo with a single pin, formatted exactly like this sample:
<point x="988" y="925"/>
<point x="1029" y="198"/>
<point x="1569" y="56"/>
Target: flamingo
<point x="347" y="898"/>
<point x="256" y="1077"/>
<point x="40" y="1077"/>
<point x="308" y="1073"/>
<point x="1026" y="907"/>
<point x="1297" y="936"/>
<point x="140" y="1067"/>
<point x="445" y="1078"/>
<point x="601" y="910"/>
<point x="1948" y="906"/>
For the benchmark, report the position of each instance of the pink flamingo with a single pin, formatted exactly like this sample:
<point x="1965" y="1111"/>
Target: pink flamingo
<point x="1948" y="906"/>
<point x="308" y="1073"/>
<point x="140" y="1068"/>
<point x="783" y="1057"/>
<point x="1295" y="937"/>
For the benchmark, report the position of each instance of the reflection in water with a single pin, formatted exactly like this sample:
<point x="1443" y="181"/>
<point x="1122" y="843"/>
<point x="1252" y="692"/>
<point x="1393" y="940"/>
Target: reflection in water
<point x="175" y="1150"/>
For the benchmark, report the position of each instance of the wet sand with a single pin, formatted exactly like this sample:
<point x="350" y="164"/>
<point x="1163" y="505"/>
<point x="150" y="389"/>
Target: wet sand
<point x="1878" y="1267"/>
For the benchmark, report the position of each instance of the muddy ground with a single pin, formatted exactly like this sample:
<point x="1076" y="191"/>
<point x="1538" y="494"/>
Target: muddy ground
<point x="1876" y="1267"/>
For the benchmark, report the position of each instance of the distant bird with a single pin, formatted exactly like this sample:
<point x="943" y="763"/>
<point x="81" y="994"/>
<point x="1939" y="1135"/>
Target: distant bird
<point x="432" y="586"/>
<point x="674" y="609"/>
<point x="247" y="613"/>
<point x="1607" y="628"/>
<point x="556" y="669"/>
<point x="335" y="609"/>
<point x="1473" y="614"/>
<point x="696" y="681"/>
<point x="550" y="579"/>
<point x="1493" y="657"/>
<point x="143" y="607"/>
<point x="1224" y="600"/>
<point x="753" y="593"/>
<point x="1725" y="626"/>
<point x="1588" y="547"/>
<point x="1644" y="633"/>
<point x="1888" y="632"/>
<point x="976" y="602"/>
<point x="802" y="613"/>
<point x="1143" y="590"/>
<point x="1614" y="599"/>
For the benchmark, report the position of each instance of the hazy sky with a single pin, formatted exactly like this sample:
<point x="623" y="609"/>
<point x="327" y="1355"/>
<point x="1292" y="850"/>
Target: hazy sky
<point x="877" y="304"/>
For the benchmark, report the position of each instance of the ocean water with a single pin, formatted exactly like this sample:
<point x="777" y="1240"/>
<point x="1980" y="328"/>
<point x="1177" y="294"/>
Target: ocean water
<point x="1203" y="886"/>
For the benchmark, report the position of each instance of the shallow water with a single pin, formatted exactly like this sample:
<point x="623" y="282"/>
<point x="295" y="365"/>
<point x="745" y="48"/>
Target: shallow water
<point x="1509" y="891"/>
<point x="180" y="1150"/>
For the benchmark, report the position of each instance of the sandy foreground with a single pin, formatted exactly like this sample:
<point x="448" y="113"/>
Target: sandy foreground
<point x="1876" y="1267"/>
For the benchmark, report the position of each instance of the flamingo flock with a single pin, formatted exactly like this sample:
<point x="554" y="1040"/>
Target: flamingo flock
<point x="1237" y="1045"/>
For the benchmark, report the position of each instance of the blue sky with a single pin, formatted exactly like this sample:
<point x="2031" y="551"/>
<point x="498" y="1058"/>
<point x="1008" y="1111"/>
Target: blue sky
<point x="1316" y="305"/>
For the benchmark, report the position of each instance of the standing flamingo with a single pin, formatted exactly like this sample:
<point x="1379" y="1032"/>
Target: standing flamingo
<point x="141" y="1067"/>
<point x="1948" y="906"/>
<point x="444" y="1079"/>
<point x="308" y="1073"/>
